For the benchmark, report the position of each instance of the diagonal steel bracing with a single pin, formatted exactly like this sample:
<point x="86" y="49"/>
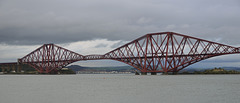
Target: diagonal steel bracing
<point x="49" y="57"/>
<point x="156" y="52"/>
<point x="167" y="52"/>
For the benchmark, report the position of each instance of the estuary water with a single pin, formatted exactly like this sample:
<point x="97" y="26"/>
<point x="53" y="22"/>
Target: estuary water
<point x="119" y="88"/>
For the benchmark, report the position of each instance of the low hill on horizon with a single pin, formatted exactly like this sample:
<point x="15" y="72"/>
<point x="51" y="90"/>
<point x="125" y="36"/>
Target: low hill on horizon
<point x="117" y="68"/>
<point x="126" y="68"/>
<point x="203" y="69"/>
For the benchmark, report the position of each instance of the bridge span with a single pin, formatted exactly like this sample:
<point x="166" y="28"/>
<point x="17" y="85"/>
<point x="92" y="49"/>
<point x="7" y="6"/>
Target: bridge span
<point x="152" y="53"/>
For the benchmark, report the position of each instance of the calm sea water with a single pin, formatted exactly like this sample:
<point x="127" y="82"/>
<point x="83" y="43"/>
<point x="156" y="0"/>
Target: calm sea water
<point x="119" y="88"/>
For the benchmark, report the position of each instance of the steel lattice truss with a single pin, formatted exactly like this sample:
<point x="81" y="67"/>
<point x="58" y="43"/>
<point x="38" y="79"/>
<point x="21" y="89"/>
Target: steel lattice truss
<point x="49" y="57"/>
<point x="167" y="52"/>
<point x="157" y="52"/>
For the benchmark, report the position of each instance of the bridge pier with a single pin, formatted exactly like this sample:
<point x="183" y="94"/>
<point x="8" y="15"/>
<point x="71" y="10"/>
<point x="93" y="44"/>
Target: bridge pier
<point x="19" y="65"/>
<point x="19" y="68"/>
<point x="164" y="73"/>
<point x="143" y="73"/>
<point x="174" y="73"/>
<point x="153" y="73"/>
<point x="136" y="73"/>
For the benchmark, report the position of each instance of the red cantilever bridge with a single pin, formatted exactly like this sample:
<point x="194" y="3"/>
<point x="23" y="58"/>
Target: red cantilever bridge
<point x="156" y="52"/>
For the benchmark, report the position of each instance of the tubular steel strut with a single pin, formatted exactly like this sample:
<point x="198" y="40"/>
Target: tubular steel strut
<point x="156" y="52"/>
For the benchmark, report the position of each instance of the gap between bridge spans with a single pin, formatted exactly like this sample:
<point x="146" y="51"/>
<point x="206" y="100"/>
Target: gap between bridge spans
<point x="155" y="52"/>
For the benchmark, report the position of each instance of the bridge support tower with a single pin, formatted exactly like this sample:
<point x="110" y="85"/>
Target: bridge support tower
<point x="153" y="73"/>
<point x="143" y="73"/>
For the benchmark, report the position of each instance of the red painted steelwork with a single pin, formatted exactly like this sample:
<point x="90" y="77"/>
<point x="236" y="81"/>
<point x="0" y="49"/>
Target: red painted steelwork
<point x="156" y="52"/>
<point x="49" y="57"/>
<point x="93" y="57"/>
<point x="167" y="52"/>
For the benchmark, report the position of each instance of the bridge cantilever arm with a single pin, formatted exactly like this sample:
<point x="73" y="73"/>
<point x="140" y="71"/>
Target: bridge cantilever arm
<point x="167" y="51"/>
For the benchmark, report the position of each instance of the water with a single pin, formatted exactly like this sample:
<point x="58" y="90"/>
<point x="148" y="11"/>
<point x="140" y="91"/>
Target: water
<point x="116" y="88"/>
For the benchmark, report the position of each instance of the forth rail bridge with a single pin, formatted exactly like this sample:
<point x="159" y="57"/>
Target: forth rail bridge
<point x="165" y="52"/>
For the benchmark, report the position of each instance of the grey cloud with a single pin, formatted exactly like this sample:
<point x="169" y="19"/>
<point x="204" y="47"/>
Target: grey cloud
<point x="101" y="45"/>
<point x="28" y="22"/>
<point x="118" y="44"/>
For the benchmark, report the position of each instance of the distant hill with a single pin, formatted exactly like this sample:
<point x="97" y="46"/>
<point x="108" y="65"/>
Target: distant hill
<point x="232" y="68"/>
<point x="76" y="67"/>
<point x="203" y="69"/>
<point x="118" y="68"/>
<point x="129" y="68"/>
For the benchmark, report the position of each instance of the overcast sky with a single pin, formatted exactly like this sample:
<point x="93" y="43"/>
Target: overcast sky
<point x="107" y="24"/>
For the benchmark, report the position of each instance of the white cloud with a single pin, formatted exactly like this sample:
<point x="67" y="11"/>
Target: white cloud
<point x="89" y="47"/>
<point x="10" y="53"/>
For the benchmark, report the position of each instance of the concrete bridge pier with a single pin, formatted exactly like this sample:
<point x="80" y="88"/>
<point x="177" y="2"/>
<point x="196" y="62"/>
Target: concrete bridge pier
<point x="143" y="73"/>
<point x="174" y="73"/>
<point x="136" y="73"/>
<point x="19" y="66"/>
<point x="153" y="73"/>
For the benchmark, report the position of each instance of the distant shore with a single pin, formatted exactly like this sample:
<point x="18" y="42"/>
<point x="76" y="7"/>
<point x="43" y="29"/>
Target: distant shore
<point x="212" y="71"/>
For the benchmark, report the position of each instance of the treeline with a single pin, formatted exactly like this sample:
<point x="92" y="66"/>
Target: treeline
<point x="213" y="71"/>
<point x="26" y="69"/>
